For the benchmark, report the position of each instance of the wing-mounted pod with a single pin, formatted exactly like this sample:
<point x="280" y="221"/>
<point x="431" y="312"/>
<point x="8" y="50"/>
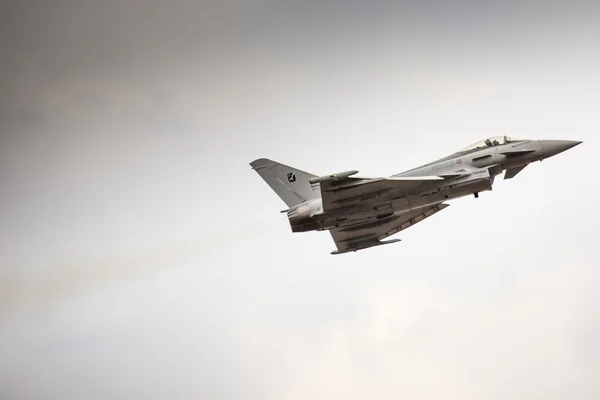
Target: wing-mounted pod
<point x="340" y="176"/>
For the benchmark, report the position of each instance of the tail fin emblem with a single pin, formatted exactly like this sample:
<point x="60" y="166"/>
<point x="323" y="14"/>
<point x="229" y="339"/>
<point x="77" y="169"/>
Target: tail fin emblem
<point x="291" y="177"/>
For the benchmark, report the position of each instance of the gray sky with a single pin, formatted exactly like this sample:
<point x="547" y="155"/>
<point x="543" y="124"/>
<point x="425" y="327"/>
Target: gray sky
<point x="141" y="257"/>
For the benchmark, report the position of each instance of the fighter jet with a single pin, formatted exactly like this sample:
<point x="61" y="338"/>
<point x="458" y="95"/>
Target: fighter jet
<point x="360" y="212"/>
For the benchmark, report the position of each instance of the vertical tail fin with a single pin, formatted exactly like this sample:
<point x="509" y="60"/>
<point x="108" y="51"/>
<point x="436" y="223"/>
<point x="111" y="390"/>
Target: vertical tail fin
<point x="290" y="184"/>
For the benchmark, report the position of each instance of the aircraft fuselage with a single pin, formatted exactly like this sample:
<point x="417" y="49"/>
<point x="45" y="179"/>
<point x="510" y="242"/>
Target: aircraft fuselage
<point x="484" y="164"/>
<point x="360" y="212"/>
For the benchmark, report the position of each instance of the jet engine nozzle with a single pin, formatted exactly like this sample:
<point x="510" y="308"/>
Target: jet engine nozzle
<point x="304" y="210"/>
<point x="300" y="212"/>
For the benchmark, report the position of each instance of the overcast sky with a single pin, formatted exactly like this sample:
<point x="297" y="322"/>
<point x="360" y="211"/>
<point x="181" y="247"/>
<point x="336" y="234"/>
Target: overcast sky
<point x="141" y="257"/>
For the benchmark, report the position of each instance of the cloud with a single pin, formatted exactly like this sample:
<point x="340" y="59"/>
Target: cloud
<point x="142" y="257"/>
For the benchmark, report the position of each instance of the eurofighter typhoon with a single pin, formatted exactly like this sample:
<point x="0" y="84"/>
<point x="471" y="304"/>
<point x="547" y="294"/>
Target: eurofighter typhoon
<point x="360" y="212"/>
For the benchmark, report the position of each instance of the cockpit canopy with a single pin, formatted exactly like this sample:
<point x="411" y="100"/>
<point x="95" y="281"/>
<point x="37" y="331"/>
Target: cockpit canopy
<point x="490" y="142"/>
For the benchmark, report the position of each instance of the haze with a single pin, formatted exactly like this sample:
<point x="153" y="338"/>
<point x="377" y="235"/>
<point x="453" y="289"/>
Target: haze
<point x="141" y="257"/>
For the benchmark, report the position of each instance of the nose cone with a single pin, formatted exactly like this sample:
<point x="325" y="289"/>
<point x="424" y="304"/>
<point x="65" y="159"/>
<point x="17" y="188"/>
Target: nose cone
<point x="553" y="147"/>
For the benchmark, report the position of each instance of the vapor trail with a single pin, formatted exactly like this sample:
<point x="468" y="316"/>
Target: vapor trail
<point x="19" y="288"/>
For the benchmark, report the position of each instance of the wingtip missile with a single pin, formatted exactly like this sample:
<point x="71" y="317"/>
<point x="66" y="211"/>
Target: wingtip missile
<point x="365" y="246"/>
<point x="334" y="177"/>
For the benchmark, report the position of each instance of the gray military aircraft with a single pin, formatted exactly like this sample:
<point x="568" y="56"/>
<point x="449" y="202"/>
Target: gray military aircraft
<point x="360" y="212"/>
